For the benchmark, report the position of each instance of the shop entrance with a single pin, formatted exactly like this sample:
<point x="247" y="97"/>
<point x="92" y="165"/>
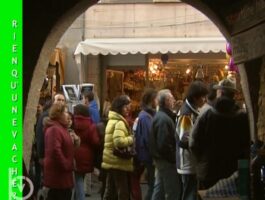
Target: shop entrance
<point x="48" y="46"/>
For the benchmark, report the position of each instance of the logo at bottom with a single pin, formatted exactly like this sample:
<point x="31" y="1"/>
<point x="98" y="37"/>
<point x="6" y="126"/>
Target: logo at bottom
<point x="22" y="181"/>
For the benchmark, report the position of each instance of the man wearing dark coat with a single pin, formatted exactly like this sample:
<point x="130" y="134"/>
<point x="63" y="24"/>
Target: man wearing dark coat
<point x="220" y="137"/>
<point x="162" y="145"/>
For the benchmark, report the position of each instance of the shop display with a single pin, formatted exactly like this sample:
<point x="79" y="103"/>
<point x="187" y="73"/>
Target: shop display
<point x="49" y="83"/>
<point x="165" y="72"/>
<point x="134" y="83"/>
<point x="114" y="84"/>
<point x="54" y="75"/>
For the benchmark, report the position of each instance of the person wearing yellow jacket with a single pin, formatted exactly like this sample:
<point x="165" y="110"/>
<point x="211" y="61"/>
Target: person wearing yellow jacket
<point x="117" y="135"/>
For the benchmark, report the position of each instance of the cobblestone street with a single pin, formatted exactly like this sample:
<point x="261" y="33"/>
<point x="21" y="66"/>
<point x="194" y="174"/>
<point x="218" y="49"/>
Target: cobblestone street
<point x="96" y="185"/>
<point x="95" y="188"/>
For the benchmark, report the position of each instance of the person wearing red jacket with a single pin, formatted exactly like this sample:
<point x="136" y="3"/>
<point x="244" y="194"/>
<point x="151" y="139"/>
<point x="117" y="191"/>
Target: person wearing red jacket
<point x="84" y="154"/>
<point x="59" y="155"/>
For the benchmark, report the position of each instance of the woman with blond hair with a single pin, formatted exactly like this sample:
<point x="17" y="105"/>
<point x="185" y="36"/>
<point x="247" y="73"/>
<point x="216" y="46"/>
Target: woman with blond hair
<point x="59" y="155"/>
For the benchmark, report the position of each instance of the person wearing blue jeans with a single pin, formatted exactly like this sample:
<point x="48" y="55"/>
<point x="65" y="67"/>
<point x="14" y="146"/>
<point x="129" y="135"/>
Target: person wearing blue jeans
<point x="167" y="182"/>
<point x="162" y="145"/>
<point x="186" y="118"/>
<point x="143" y="159"/>
<point x="79" y="187"/>
<point x="150" y="171"/>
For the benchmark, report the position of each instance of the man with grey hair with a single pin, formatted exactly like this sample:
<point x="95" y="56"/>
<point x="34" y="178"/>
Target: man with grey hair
<point x="162" y="146"/>
<point x="220" y="137"/>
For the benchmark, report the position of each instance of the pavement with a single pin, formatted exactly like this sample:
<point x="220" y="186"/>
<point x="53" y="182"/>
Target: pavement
<point x="92" y="192"/>
<point x="96" y="185"/>
<point x="94" y="189"/>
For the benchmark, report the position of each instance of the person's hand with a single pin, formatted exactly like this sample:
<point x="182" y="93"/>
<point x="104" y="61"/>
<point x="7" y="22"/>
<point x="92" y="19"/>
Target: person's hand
<point x="75" y="138"/>
<point x="73" y="135"/>
<point x="179" y="103"/>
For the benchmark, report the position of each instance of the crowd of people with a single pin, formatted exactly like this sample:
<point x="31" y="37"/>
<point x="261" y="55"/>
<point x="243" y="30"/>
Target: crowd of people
<point x="177" y="151"/>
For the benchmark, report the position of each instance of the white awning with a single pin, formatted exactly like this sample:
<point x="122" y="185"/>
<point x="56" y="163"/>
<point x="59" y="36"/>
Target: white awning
<point x="150" y="45"/>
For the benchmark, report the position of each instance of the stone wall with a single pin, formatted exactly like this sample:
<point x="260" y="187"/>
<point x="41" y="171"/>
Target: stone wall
<point x="68" y="43"/>
<point x="261" y="104"/>
<point x="147" y="20"/>
<point x="43" y="27"/>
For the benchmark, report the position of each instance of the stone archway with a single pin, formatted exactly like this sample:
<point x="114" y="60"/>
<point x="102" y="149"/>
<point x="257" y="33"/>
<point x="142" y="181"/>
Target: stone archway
<point x="40" y="71"/>
<point x="206" y="10"/>
<point x="49" y="43"/>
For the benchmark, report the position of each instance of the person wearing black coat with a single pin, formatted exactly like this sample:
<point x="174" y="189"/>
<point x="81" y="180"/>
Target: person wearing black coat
<point x="162" y="145"/>
<point x="220" y="137"/>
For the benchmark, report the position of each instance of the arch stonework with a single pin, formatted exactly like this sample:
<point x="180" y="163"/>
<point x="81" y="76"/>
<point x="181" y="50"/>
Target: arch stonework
<point x="207" y="11"/>
<point x="36" y="55"/>
<point x="39" y="72"/>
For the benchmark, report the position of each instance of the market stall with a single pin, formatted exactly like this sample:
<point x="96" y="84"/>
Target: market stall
<point x="131" y="64"/>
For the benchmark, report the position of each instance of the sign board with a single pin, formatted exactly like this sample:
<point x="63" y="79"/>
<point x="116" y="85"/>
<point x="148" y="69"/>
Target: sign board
<point x="73" y="93"/>
<point x="85" y="87"/>
<point x="70" y="92"/>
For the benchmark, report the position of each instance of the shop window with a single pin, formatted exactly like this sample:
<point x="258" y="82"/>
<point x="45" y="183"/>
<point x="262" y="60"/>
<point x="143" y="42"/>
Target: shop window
<point x="114" y="84"/>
